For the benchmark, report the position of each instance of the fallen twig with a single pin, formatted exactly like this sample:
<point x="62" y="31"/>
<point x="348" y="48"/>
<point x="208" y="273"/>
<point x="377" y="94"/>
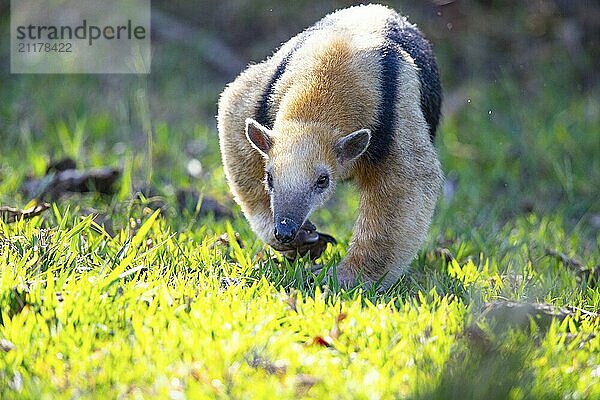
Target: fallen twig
<point x="11" y="214"/>
<point x="586" y="274"/>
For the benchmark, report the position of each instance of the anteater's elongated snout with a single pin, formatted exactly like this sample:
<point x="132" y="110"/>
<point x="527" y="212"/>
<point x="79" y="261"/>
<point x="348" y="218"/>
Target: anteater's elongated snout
<point x="286" y="229"/>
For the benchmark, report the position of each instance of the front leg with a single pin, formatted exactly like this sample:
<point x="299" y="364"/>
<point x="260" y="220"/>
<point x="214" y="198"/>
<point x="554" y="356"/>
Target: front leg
<point x="395" y="213"/>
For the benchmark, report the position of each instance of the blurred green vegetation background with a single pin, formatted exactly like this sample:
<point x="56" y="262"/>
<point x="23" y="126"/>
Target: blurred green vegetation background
<point x="519" y="217"/>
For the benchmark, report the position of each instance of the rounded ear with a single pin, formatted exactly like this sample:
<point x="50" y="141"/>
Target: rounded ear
<point x="259" y="137"/>
<point x="352" y="146"/>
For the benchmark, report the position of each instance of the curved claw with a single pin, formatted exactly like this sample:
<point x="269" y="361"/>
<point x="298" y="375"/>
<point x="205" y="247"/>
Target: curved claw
<point x="327" y="238"/>
<point x="307" y="241"/>
<point x="306" y="236"/>
<point x="315" y="249"/>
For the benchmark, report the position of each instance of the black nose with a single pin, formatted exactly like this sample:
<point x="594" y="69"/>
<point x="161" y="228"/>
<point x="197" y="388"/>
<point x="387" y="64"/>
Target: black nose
<point x="285" y="230"/>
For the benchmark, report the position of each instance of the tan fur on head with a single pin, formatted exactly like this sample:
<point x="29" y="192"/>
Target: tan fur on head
<point x="324" y="108"/>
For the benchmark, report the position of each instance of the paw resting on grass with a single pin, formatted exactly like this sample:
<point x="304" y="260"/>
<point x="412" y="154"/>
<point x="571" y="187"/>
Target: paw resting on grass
<point x="346" y="277"/>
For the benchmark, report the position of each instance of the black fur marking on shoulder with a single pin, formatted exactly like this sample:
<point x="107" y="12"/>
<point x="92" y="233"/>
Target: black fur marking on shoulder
<point x="400" y="34"/>
<point x="264" y="114"/>
<point x="382" y="136"/>
<point x="410" y="39"/>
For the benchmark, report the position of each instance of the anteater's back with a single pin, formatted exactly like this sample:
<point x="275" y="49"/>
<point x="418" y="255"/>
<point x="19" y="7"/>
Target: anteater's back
<point x="380" y="39"/>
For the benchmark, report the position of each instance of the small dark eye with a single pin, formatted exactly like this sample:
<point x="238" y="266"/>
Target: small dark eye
<point x="322" y="182"/>
<point x="269" y="180"/>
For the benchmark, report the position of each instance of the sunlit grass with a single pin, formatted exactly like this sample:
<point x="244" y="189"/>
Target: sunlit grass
<point x="157" y="314"/>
